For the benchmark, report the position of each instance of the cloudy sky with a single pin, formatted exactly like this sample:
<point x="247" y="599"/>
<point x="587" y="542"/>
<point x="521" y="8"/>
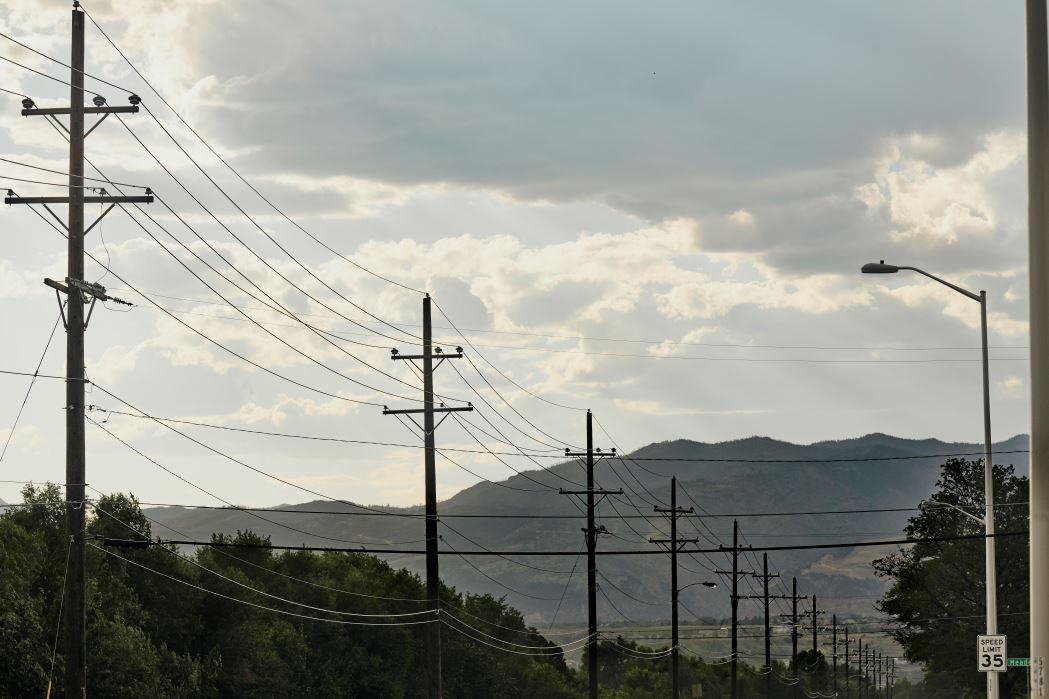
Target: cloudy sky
<point x="654" y="210"/>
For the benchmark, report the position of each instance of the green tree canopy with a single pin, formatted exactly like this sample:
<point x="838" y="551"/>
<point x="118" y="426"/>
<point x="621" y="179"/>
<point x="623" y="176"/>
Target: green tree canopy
<point x="937" y="591"/>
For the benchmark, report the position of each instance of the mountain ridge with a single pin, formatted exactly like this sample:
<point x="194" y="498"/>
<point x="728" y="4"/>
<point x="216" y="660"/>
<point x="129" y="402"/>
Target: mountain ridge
<point x="754" y="475"/>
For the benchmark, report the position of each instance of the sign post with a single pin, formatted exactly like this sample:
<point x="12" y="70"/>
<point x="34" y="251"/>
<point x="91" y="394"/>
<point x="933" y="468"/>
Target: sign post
<point x="990" y="653"/>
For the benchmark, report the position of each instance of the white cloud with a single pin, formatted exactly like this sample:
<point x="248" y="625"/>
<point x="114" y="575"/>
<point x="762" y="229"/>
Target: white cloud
<point x="937" y="206"/>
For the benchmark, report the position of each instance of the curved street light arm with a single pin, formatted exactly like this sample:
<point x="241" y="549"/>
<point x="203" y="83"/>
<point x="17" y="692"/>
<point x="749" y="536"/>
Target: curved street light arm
<point x="960" y="290"/>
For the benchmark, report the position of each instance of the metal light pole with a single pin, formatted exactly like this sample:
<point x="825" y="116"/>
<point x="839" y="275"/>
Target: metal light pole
<point x="1038" y="265"/>
<point x="991" y="579"/>
<point x="675" y="679"/>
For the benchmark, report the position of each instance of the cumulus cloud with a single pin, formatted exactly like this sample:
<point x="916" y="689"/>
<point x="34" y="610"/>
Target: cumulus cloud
<point x="546" y="182"/>
<point x="938" y="206"/>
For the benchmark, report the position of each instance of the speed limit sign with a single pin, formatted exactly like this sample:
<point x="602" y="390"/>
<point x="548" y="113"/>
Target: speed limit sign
<point x="990" y="654"/>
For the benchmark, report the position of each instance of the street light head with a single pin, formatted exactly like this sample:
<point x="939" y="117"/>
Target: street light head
<point x="710" y="584"/>
<point x="879" y="268"/>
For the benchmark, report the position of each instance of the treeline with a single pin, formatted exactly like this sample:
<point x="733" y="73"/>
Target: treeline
<point x="162" y="623"/>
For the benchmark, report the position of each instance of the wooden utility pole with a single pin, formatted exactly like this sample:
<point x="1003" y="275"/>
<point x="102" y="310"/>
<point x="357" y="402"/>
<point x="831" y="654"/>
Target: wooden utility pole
<point x="765" y="576"/>
<point x="834" y="644"/>
<point x="591" y="532"/>
<point x="78" y="292"/>
<point x="794" y="597"/>
<point x="1038" y="279"/>
<point x="735" y="573"/>
<point x="846" y="662"/>
<point x="433" y="580"/>
<point x="673" y="544"/>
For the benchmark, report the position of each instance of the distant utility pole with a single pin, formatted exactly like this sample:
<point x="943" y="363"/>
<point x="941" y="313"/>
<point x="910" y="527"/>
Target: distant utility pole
<point x="433" y="580"/>
<point x="877" y="672"/>
<point x="815" y="613"/>
<point x="735" y="573"/>
<point x="794" y="597"/>
<point x="765" y="576"/>
<point x="846" y="662"/>
<point x="859" y="667"/>
<point x="834" y="652"/>
<point x="78" y="292"/>
<point x="591" y="544"/>
<point x="867" y="669"/>
<point x="674" y="544"/>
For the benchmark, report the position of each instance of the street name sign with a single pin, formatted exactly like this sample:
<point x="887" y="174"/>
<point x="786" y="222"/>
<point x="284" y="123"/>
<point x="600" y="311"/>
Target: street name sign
<point x="990" y="654"/>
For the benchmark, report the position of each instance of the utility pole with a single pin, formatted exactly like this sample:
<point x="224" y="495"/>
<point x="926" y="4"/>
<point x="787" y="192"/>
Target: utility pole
<point x="735" y="573"/>
<point x="815" y="624"/>
<point x="859" y="666"/>
<point x="673" y="544"/>
<point x="794" y="597"/>
<point x="834" y="644"/>
<point x="428" y="428"/>
<point x="591" y="532"/>
<point x="846" y="662"/>
<point x="765" y="597"/>
<point x="78" y="292"/>
<point x="1038" y="276"/>
<point x="867" y="669"/>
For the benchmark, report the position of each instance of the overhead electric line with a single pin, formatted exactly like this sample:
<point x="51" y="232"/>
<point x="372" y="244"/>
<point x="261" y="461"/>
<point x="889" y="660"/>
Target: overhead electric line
<point x="230" y="167"/>
<point x="345" y="622"/>
<point x="29" y="388"/>
<point x="603" y="552"/>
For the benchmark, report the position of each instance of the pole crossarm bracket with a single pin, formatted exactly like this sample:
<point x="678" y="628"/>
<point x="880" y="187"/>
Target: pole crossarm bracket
<point x="55" y="111"/>
<point x="103" y="199"/>
<point x="674" y="510"/>
<point x="416" y="411"/>
<point x="730" y="549"/>
<point x="437" y="354"/>
<point x="679" y="541"/>
<point x="596" y="454"/>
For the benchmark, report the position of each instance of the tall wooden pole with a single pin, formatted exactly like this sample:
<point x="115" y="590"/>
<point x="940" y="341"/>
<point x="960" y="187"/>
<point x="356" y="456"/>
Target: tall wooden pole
<point x="433" y="579"/>
<point x="76" y="466"/>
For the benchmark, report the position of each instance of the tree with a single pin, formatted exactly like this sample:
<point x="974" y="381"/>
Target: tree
<point x="937" y="591"/>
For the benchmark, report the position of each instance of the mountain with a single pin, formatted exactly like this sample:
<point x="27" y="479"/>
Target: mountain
<point x="770" y="476"/>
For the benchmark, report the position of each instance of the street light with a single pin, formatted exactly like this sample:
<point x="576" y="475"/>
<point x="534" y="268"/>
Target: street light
<point x="705" y="583"/>
<point x="988" y="467"/>
<point x="674" y="634"/>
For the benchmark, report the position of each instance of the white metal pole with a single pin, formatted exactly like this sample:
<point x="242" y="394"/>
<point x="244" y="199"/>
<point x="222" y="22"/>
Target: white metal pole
<point x="1038" y="261"/>
<point x="991" y="577"/>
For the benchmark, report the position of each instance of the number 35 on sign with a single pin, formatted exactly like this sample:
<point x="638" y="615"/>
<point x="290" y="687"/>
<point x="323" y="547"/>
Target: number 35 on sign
<point x="990" y="654"/>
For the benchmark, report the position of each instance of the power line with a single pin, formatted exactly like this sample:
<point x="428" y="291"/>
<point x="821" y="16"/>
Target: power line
<point x="249" y="248"/>
<point x="634" y="552"/>
<point x="45" y="75"/>
<point x="345" y="622"/>
<point x="201" y="334"/>
<point x="560" y="456"/>
<point x="497" y="582"/>
<point x="223" y="500"/>
<point x="66" y="65"/>
<point x="67" y="174"/>
<point x="263" y="592"/>
<point x="241" y="273"/>
<point x="29" y="388"/>
<point x="525" y="333"/>
<point x="230" y="167"/>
